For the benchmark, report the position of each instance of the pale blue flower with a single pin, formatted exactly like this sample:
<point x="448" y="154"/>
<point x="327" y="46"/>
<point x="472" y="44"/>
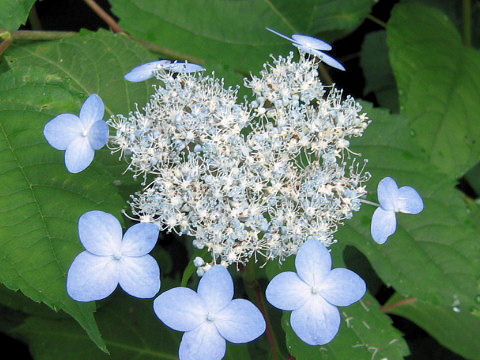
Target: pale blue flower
<point x="147" y="71"/>
<point x="209" y="316"/>
<point x="110" y="260"/>
<point x="79" y="135"/>
<point x="392" y="200"/>
<point x="311" y="45"/>
<point x="314" y="292"/>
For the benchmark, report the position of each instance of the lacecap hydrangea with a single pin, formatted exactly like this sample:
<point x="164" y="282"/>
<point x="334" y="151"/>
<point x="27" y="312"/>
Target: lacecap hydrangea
<point x="257" y="177"/>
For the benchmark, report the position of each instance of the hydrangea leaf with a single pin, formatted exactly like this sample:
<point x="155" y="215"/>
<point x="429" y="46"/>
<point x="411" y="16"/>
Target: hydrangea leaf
<point x="377" y="70"/>
<point x="364" y="330"/>
<point x="433" y="255"/>
<point x="90" y="63"/>
<point x="41" y="202"/>
<point x="129" y="328"/>
<point x="128" y="325"/>
<point x="209" y="30"/>
<point x="14" y="13"/>
<point x="456" y="330"/>
<point x="442" y="110"/>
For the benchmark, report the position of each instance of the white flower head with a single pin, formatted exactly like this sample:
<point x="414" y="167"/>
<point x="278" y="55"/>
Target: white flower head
<point x="110" y="260"/>
<point x="79" y="135"/>
<point x="393" y="199"/>
<point x="258" y="177"/>
<point x="314" y="292"/>
<point x="209" y="316"/>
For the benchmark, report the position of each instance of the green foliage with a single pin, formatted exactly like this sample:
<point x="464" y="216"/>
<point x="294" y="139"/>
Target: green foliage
<point x="14" y="13"/>
<point x="439" y="85"/>
<point x="41" y="201"/>
<point x="436" y="244"/>
<point x="455" y="330"/>
<point x="377" y="70"/>
<point x="233" y="32"/>
<point x="129" y="327"/>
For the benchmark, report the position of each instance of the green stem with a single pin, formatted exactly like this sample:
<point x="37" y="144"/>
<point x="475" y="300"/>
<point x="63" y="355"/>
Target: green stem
<point x="377" y="21"/>
<point x="399" y="303"/>
<point x="255" y="291"/>
<point x="41" y="35"/>
<point x="467" y="22"/>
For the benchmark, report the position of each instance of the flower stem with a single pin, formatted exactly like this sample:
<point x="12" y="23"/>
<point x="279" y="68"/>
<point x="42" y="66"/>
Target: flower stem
<point x="377" y="21"/>
<point x="104" y="16"/>
<point x="41" y="35"/>
<point x="255" y="292"/>
<point x="399" y="303"/>
<point x="369" y="202"/>
<point x="467" y="22"/>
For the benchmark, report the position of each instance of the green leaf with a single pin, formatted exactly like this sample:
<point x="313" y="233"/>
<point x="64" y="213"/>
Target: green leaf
<point x="14" y="13"/>
<point x="90" y="63"/>
<point x="377" y="70"/>
<point x="366" y="333"/>
<point x="129" y="327"/>
<point x="439" y="85"/>
<point x="233" y="32"/>
<point x="41" y="201"/>
<point x="433" y="255"/>
<point x="456" y="330"/>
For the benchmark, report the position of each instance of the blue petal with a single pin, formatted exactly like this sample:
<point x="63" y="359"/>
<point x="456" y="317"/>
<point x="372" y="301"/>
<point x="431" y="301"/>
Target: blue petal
<point x="91" y="277"/>
<point x="287" y="291"/>
<point x="79" y="155"/>
<point x="180" y="308"/>
<point x="145" y="71"/>
<point x="317" y="322"/>
<point x="139" y="276"/>
<point x="279" y="34"/>
<point x="184" y="67"/>
<point x="313" y="262"/>
<point x="342" y="287"/>
<point x="216" y="288"/>
<point x="240" y="322"/>
<point x="322" y="56"/>
<point x="100" y="233"/>
<point x="140" y="239"/>
<point x="62" y="130"/>
<point x="92" y="110"/>
<point x="98" y="135"/>
<point x="384" y="224"/>
<point x="311" y="42"/>
<point x="408" y="200"/>
<point x="203" y="343"/>
<point x="387" y="193"/>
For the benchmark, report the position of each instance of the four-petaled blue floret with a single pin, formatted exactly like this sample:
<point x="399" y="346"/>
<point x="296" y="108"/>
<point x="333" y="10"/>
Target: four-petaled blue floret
<point x="392" y="199"/>
<point x="314" y="292"/>
<point x="148" y="70"/>
<point x="110" y="260"/>
<point x="79" y="135"/>
<point x="209" y="316"/>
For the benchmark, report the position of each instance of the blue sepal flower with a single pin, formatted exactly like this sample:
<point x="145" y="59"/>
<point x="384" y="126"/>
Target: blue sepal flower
<point x="312" y="46"/>
<point x="147" y="71"/>
<point x="392" y="199"/>
<point x="314" y="292"/>
<point x="110" y="260"/>
<point x="79" y="135"/>
<point x="209" y="316"/>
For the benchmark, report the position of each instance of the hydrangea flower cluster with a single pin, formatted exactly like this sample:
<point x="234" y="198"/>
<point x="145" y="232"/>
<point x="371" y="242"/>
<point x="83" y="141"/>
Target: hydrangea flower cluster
<point x="271" y="176"/>
<point x="245" y="179"/>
